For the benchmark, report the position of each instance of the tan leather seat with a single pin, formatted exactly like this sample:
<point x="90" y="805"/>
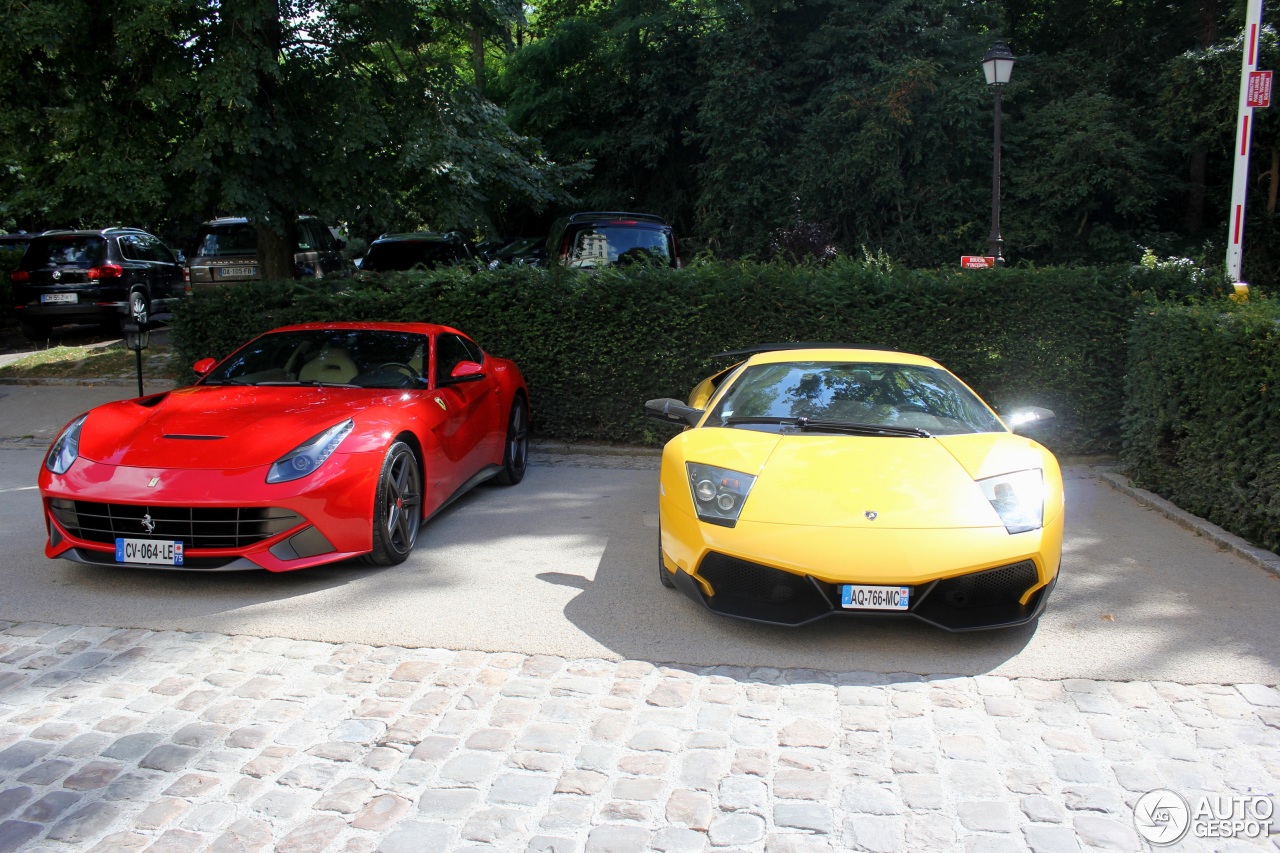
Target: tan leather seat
<point x="331" y="364"/>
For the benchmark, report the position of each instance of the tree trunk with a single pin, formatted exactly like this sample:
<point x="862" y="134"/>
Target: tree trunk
<point x="1197" y="189"/>
<point x="275" y="253"/>
<point x="477" y="57"/>
<point x="1274" y="175"/>
<point x="1207" y="13"/>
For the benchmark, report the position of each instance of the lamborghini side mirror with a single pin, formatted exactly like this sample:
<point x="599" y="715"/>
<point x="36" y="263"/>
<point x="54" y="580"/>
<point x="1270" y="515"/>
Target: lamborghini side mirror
<point x="673" y="411"/>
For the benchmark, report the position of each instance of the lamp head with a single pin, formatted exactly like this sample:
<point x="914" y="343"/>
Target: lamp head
<point x="997" y="64"/>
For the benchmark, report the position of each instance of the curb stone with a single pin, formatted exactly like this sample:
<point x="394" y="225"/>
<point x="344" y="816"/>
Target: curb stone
<point x="1227" y="541"/>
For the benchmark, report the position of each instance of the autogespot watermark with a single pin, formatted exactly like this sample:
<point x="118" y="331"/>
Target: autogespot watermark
<point x="1164" y="817"/>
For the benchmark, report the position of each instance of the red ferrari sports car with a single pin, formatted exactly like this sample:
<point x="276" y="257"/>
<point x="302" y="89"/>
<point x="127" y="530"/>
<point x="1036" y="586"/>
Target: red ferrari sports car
<point x="309" y="444"/>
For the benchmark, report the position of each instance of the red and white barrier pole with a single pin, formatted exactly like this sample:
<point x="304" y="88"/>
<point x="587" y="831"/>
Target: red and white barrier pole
<point x="1240" y="181"/>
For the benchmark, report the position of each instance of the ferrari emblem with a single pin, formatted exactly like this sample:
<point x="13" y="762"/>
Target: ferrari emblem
<point x="152" y="484"/>
<point x="871" y="515"/>
<point x="441" y="403"/>
<point x="147" y="524"/>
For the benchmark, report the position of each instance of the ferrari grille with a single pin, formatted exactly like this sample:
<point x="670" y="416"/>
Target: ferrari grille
<point x="196" y="527"/>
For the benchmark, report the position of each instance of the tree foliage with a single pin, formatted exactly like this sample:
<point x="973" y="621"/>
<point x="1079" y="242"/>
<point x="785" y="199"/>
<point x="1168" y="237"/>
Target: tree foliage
<point x="1118" y="125"/>
<point x="143" y="111"/>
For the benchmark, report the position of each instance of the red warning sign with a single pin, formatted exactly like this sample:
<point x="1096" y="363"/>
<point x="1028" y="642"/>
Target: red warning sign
<point x="1259" y="93"/>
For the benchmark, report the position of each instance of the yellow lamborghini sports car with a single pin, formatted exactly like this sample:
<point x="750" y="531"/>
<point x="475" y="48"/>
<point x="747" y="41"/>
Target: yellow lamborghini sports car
<point x="817" y="479"/>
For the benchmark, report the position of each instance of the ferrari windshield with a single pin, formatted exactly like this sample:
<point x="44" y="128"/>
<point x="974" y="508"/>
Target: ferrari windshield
<point x="842" y="396"/>
<point x="360" y="358"/>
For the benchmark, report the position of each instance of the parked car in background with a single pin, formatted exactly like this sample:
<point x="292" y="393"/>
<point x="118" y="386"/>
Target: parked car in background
<point x="17" y="242"/>
<point x="523" y="251"/>
<point x="226" y="252"/>
<point x="105" y="276"/>
<point x="599" y="239"/>
<point x="419" y="250"/>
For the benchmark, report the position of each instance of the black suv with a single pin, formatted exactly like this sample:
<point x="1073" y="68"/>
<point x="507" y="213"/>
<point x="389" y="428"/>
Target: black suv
<point x="600" y="239"/>
<point x="418" y="250"/>
<point x="107" y="276"/>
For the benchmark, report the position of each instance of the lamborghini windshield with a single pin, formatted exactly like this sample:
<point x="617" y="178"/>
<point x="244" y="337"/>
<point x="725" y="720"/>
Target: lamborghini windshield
<point x="362" y="358"/>
<point x="841" y="396"/>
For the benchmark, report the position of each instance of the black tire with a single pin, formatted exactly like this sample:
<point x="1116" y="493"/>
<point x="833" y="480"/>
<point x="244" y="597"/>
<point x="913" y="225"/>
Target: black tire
<point x="663" y="574"/>
<point x="515" y="458"/>
<point x="139" y="308"/>
<point x="397" y="507"/>
<point x="35" y="330"/>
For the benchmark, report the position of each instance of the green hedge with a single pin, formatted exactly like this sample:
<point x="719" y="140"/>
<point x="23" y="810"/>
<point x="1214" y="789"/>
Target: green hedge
<point x="593" y="347"/>
<point x="1202" y="415"/>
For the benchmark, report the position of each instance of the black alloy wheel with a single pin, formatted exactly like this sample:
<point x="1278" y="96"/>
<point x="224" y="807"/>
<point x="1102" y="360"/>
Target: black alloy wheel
<point x="397" y="507"/>
<point x="515" y="459"/>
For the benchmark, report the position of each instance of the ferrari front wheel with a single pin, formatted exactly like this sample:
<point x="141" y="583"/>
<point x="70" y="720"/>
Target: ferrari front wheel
<point x="515" y="456"/>
<point x="397" y="507"/>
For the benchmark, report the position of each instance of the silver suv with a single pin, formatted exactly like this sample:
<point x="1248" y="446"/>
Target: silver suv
<point x="226" y="252"/>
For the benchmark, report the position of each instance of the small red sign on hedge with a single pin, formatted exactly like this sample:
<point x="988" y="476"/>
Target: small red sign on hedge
<point x="977" y="262"/>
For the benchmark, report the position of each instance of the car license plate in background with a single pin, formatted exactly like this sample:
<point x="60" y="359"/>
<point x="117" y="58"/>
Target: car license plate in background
<point x="239" y="272"/>
<point x="46" y="298"/>
<point x="154" y="551"/>
<point x="874" y="597"/>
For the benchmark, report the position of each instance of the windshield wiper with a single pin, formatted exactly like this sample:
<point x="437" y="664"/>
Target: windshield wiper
<point x="860" y="429"/>
<point x="809" y="424"/>
<point x="229" y="382"/>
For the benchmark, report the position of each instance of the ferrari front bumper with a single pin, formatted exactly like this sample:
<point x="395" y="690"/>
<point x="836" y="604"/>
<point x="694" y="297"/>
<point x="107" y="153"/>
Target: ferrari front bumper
<point x="228" y="520"/>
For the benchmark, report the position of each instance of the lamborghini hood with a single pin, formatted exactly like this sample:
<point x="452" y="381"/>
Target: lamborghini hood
<point x="215" y="427"/>
<point x="824" y="480"/>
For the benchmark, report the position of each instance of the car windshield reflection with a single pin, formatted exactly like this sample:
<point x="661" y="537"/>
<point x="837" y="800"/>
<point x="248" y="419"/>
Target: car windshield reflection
<point x="354" y="358"/>
<point x="897" y="399"/>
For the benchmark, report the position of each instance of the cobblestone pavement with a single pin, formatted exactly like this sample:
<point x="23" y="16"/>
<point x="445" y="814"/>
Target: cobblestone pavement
<point x="129" y="740"/>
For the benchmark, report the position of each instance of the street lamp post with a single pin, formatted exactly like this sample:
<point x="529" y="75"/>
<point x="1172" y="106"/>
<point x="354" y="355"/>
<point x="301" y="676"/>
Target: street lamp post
<point x="997" y="66"/>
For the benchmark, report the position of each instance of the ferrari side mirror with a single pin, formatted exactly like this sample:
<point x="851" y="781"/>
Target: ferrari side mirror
<point x="465" y="371"/>
<point x="673" y="411"/>
<point x="204" y="365"/>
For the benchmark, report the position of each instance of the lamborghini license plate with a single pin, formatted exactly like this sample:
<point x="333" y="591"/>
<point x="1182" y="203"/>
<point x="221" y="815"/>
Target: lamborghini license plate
<point x="874" y="597"/>
<point x="155" y="552"/>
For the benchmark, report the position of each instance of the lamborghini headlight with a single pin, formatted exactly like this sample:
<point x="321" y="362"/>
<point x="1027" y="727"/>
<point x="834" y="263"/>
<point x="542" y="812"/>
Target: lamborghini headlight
<point x="718" y="493"/>
<point x="1018" y="498"/>
<point x="310" y="455"/>
<point x="66" y="447"/>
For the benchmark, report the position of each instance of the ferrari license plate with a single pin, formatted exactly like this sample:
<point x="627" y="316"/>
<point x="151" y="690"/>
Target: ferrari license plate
<point x="874" y="597"/>
<point x="153" y="551"/>
<point x="237" y="272"/>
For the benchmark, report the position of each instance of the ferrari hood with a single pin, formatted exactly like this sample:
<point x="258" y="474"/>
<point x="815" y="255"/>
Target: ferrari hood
<point x="824" y="480"/>
<point x="212" y="428"/>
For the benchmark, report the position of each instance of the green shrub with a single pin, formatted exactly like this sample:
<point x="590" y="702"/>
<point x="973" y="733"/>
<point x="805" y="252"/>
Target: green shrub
<point x="1202" y="415"/>
<point x="594" y="347"/>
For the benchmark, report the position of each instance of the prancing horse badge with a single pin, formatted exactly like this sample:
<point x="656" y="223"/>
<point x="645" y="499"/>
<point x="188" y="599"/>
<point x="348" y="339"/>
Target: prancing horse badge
<point x="871" y="515"/>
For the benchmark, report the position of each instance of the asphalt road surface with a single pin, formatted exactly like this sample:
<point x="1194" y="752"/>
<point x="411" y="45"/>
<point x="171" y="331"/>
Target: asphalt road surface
<point x="563" y="564"/>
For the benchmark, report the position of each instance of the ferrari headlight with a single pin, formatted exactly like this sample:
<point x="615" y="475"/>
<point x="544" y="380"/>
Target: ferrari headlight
<point x="66" y="447"/>
<point x="309" y="456"/>
<point x="1018" y="498"/>
<point x="718" y="493"/>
